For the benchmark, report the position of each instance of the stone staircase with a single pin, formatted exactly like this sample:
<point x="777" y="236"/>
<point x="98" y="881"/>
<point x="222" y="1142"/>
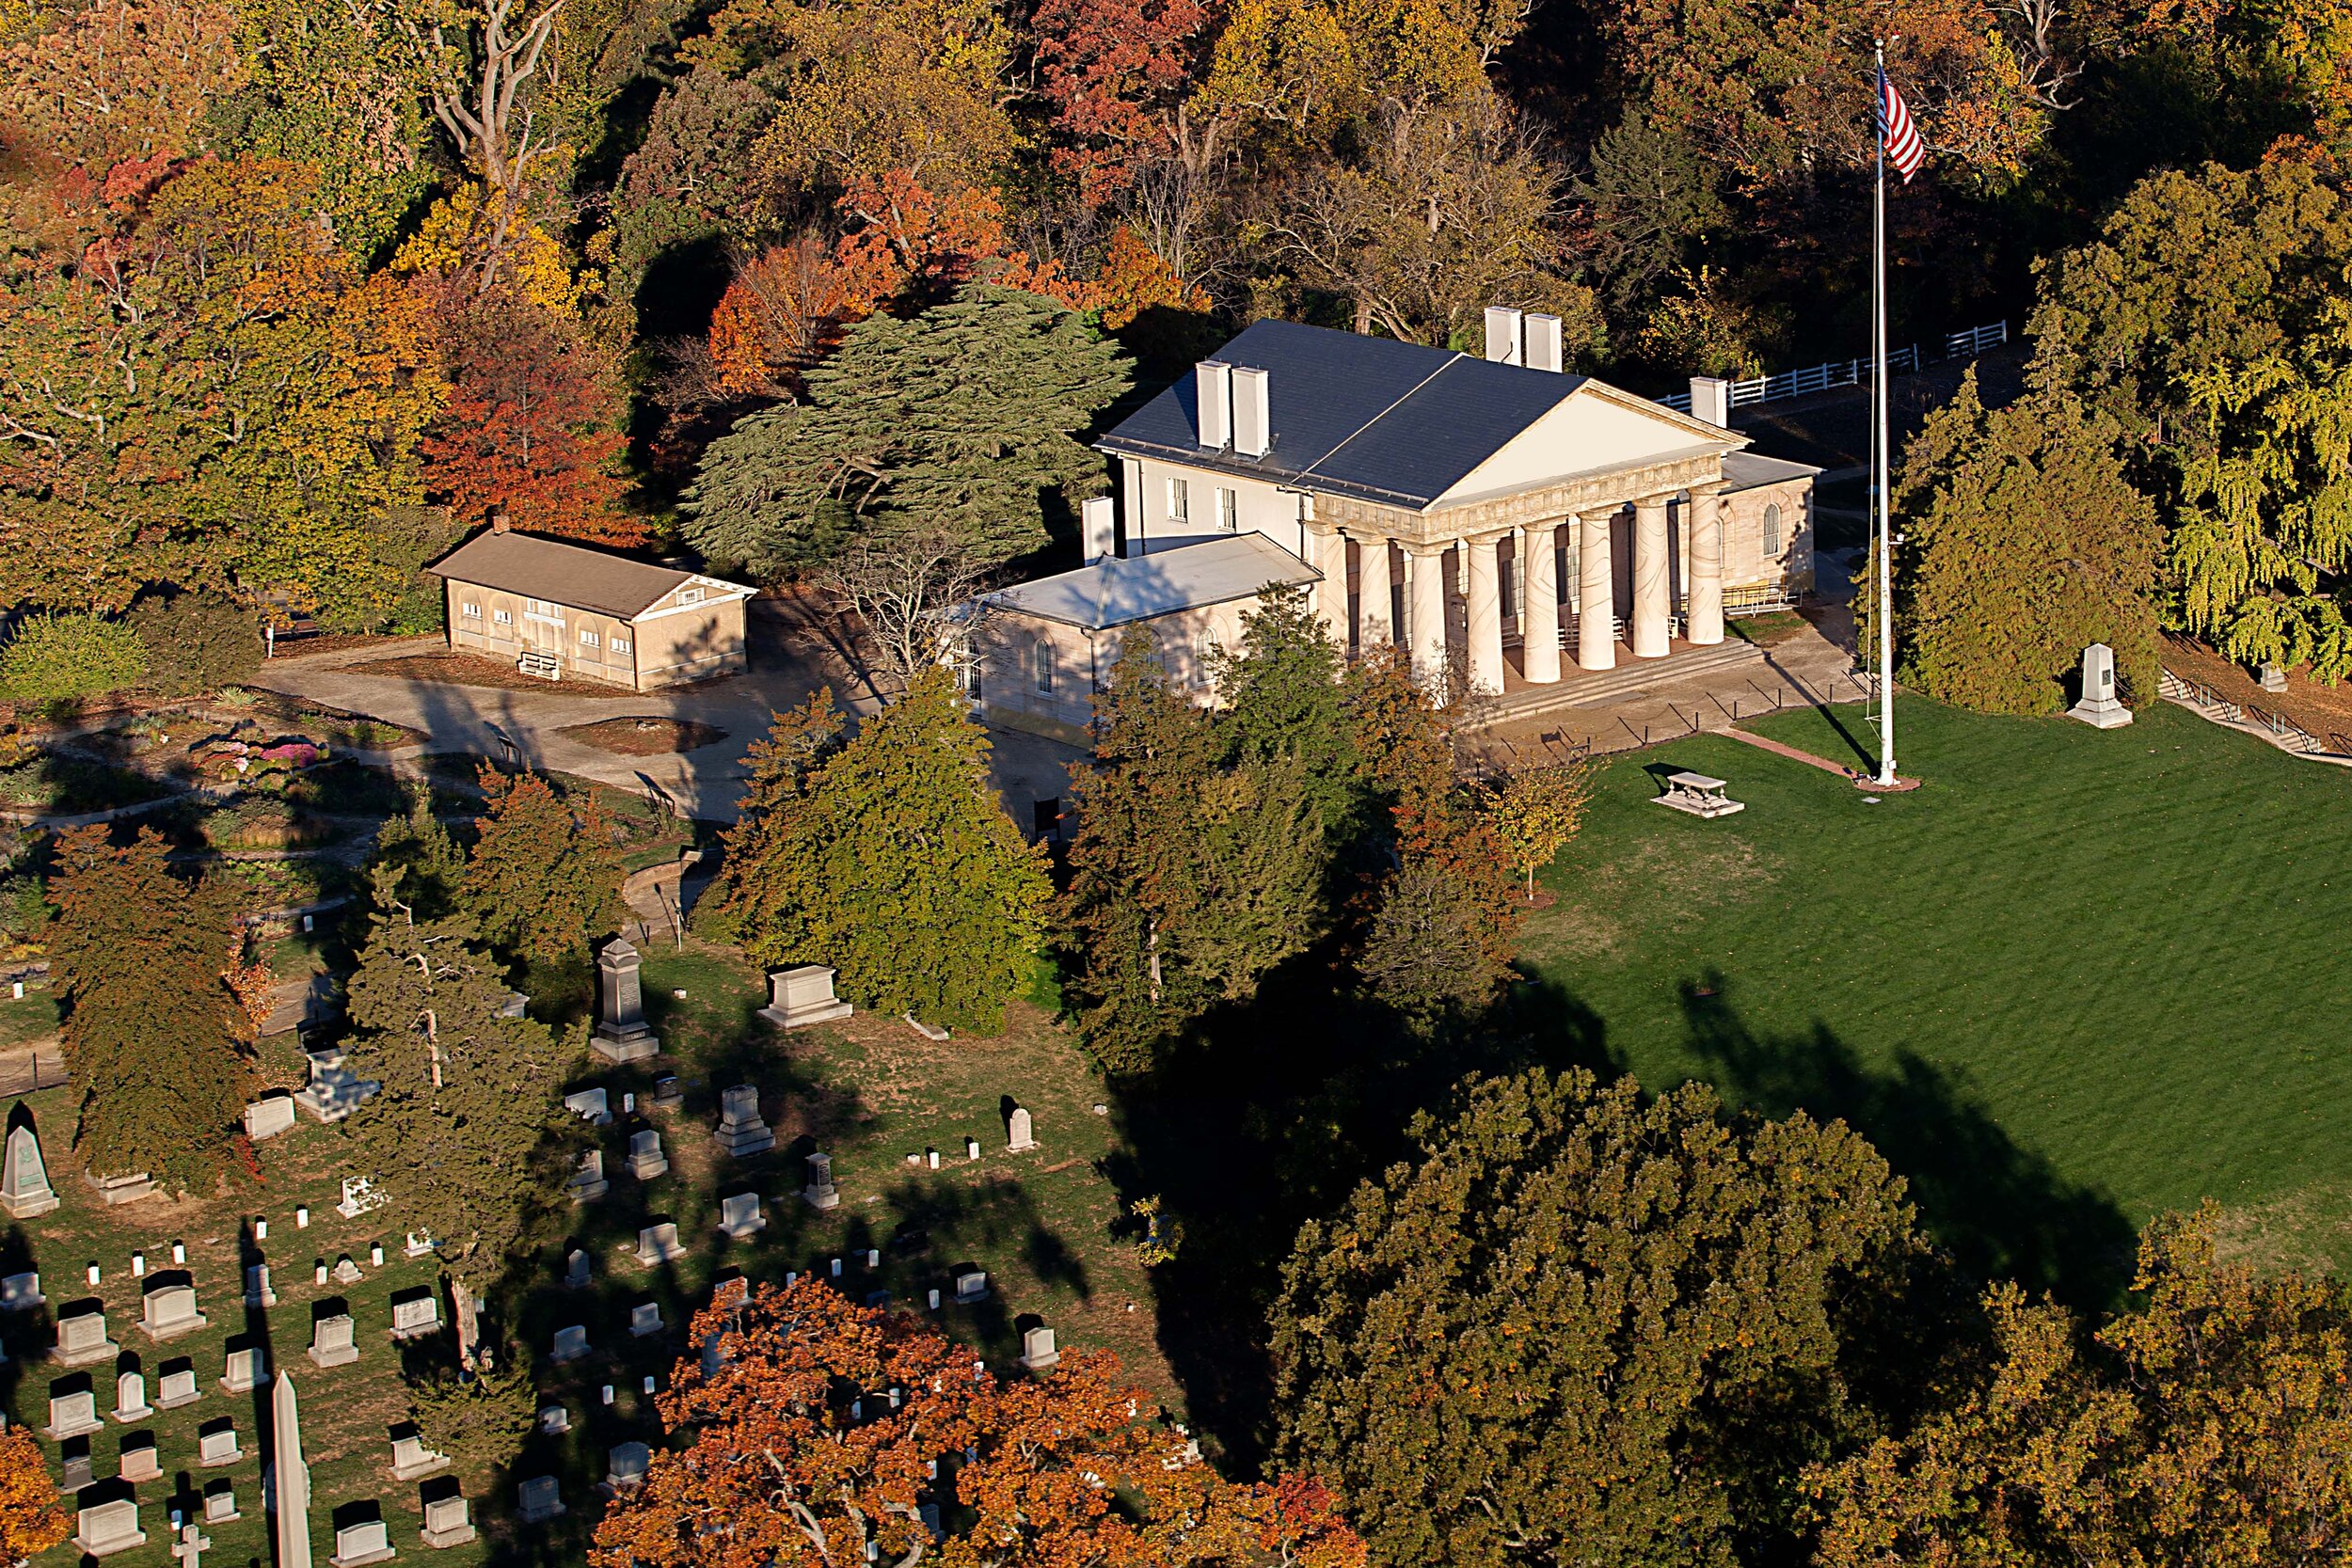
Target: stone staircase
<point x="1631" y="677"/>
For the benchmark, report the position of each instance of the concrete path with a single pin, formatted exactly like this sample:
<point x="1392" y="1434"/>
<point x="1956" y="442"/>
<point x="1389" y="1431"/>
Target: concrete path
<point x="789" y="659"/>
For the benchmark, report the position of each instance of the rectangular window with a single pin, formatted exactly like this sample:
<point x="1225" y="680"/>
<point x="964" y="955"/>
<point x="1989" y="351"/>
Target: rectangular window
<point x="470" y="611"/>
<point x="689" y="596"/>
<point x="620" y="644"/>
<point x="503" y="617"/>
<point x="1228" y="511"/>
<point x="1179" y="502"/>
<point x="587" y="638"/>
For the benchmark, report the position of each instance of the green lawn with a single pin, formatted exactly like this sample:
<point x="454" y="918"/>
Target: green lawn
<point x="2078" y="979"/>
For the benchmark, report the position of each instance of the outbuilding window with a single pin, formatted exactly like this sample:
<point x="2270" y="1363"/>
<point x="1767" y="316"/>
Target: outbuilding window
<point x="587" y="638"/>
<point x="620" y="644"/>
<point x="689" y="596"/>
<point x="503" y="617"/>
<point x="1179" y="502"/>
<point x="470" y="611"/>
<point x="1228" y="511"/>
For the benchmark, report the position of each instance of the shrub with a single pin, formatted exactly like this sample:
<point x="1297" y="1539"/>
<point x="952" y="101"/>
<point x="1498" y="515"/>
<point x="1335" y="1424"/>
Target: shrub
<point x="51" y="659"/>
<point x="196" y="642"/>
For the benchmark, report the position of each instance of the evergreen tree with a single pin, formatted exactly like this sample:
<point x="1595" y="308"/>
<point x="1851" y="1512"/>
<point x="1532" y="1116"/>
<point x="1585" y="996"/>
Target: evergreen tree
<point x="542" y="882"/>
<point x="1584" y="1327"/>
<point x="961" y="419"/>
<point x="1280" y="691"/>
<point x="2025" y="542"/>
<point x="141" y="960"/>
<point x="751" y="902"/>
<point x="429" y="867"/>
<point x="899" y="868"/>
<point x="466" y="1132"/>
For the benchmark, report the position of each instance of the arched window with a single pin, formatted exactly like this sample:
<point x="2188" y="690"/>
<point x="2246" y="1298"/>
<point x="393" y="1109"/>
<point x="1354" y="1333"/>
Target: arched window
<point x="1772" y="529"/>
<point x="1203" y="657"/>
<point x="1042" y="661"/>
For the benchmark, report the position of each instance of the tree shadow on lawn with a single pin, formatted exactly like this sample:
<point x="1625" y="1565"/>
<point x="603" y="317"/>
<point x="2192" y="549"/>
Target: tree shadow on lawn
<point x="2004" y="1212"/>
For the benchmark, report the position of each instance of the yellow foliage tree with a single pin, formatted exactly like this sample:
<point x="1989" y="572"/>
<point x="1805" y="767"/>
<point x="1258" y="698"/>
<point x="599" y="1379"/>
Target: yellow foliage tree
<point x="462" y="231"/>
<point x="30" y="1520"/>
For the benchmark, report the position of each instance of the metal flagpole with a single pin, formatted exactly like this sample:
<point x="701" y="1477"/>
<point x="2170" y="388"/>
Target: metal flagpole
<point x="1879" y="477"/>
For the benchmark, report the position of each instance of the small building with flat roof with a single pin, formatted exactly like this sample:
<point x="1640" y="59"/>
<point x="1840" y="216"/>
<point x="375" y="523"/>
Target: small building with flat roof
<point x="566" y="611"/>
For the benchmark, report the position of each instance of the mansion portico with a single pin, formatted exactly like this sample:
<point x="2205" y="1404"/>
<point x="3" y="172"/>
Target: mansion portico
<point x="1508" y="522"/>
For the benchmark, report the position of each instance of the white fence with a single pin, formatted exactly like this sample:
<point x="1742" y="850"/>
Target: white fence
<point x="1848" y="372"/>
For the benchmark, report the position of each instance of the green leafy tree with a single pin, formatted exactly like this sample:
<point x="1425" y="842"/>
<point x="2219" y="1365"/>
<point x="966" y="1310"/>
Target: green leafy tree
<point x="466" y="1132"/>
<point x="196" y="642"/>
<point x="2025" y="542"/>
<point x="1534" y="812"/>
<point x="1584" y="1326"/>
<point x="965" y="418"/>
<point x="2201" y="1426"/>
<point x="902" y="871"/>
<point x="542" y="882"/>
<point x="50" y="660"/>
<point x="1279" y="694"/>
<point x="1422" y="954"/>
<point x="141" y="960"/>
<point x="753" y="902"/>
<point x="428" y="869"/>
<point x="480" y="1420"/>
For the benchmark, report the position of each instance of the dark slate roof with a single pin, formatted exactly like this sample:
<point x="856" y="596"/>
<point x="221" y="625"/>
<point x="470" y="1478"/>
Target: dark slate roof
<point x="1118" y="590"/>
<point x="567" y="574"/>
<point x="1393" y="423"/>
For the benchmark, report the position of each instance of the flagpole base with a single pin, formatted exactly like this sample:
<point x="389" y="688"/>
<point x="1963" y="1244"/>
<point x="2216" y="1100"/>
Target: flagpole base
<point x="1884" y="786"/>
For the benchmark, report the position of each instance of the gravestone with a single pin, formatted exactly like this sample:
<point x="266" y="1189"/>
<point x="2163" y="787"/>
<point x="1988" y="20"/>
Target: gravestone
<point x="555" y="1419"/>
<point x="220" y="1502"/>
<point x="801" y="997"/>
<point x="621" y="1032"/>
<point x="514" y="1004"/>
<point x="571" y="1344"/>
<point x="216" y="1444"/>
<point x="130" y="1397"/>
<point x="2100" y="707"/>
<point x="359" y="1197"/>
<point x="414" y="1245"/>
<point x="332" y="1341"/>
<point x="360" y="1542"/>
<point x="588" y="1184"/>
<point x="668" y="1093"/>
<point x="269" y="1116"/>
<point x="821" y="1192"/>
<point x="591" y="1105"/>
<point x="169" y="1311"/>
<point x="741" y="1216"/>
<point x="256" y="1291"/>
<point x="24" y="1189"/>
<point x="74" y="1471"/>
<point x="969" y="1282"/>
<point x="109" y="1527"/>
<point x="1037" y="1350"/>
<point x="658" y="1244"/>
<point x="21" y="1293"/>
<point x="646" y="1158"/>
<point x="577" y="1271"/>
<point x="540" y="1500"/>
<point x="1020" y="1135"/>
<point x="415" y="1314"/>
<point x="177" y="1386"/>
<point x="73" y="1413"/>
<point x="139" y="1458"/>
<point x="82" y="1339"/>
<point x="411" y="1459"/>
<point x="643" y="1319"/>
<point x="122" y="1189"/>
<point x="626" y="1465"/>
<point x="246" y="1370"/>
<point x="445" y="1521"/>
<point x="935" y="1033"/>
<point x="334" y="1091"/>
<point x="740" y="1133"/>
<point x="2272" y="678"/>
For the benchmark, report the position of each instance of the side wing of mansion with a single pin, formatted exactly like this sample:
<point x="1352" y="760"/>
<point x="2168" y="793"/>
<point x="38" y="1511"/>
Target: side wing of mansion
<point x="1507" y="522"/>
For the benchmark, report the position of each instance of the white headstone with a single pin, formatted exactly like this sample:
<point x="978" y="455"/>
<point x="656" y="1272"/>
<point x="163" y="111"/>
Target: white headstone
<point x="169" y="1311"/>
<point x="246" y="1370"/>
<point x="577" y="1271"/>
<point x="139" y="1462"/>
<point x="1019" y="1136"/>
<point x="361" y="1543"/>
<point x="411" y="1459"/>
<point x="589" y="1104"/>
<point x="622" y="1035"/>
<point x="332" y="1341"/>
<point x="82" y="1339"/>
<point x="626" y="1465"/>
<point x="445" y="1521"/>
<point x="220" y="1503"/>
<point x="269" y="1116"/>
<point x="24" y="1189"/>
<point x="71" y="1415"/>
<point x="571" y="1344"/>
<point x="658" y="1244"/>
<point x="741" y="1216"/>
<point x="1037" y="1350"/>
<point x="415" y="1314"/>
<point x="740" y="1133"/>
<point x="130" y="1397"/>
<point x="291" y="1473"/>
<point x="646" y="1158"/>
<point x="2100" y="706"/>
<point x="799" y="997"/>
<point x="971" y="1284"/>
<point x="109" y="1527"/>
<point x="643" y="1319"/>
<point x="216" y="1444"/>
<point x="177" y="1386"/>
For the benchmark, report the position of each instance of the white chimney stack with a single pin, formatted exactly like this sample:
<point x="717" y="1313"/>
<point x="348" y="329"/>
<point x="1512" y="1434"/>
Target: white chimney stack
<point x="1213" y="381"/>
<point x="1711" y="398"/>
<point x="1098" y="528"/>
<point x="1543" y="342"/>
<point x="1503" y="334"/>
<point x="1253" y="413"/>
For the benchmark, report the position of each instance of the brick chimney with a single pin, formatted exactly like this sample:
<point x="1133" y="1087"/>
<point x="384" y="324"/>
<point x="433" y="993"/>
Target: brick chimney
<point x="497" y="521"/>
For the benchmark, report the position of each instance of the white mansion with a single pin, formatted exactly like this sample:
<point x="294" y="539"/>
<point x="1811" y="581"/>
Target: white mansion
<point x="1499" y="516"/>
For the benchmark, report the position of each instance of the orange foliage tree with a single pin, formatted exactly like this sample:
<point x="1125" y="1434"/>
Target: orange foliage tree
<point x="529" y="426"/>
<point x="825" y="1431"/>
<point x="30" y="1520"/>
<point x="783" y="311"/>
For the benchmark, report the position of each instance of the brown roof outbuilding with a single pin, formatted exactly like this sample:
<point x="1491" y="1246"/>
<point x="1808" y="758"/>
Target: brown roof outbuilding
<point x="563" y="573"/>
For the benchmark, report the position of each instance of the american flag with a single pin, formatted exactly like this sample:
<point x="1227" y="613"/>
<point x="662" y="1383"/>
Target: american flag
<point x="1897" y="133"/>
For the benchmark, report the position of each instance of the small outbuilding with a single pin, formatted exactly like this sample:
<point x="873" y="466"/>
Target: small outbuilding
<point x="561" y="611"/>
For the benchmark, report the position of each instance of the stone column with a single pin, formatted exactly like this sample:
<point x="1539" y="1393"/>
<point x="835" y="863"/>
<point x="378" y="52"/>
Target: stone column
<point x="1596" y="637"/>
<point x="1484" y="621"/>
<point x="1539" y="605"/>
<point x="1652" y="603"/>
<point x="1375" y="601"/>
<point x="1704" y="624"/>
<point x="1328" y="555"/>
<point x="1424" y="586"/>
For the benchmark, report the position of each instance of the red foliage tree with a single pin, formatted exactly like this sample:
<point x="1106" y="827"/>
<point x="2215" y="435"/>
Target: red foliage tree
<point x="1112" y="70"/>
<point x="826" y="1428"/>
<point x="530" y="425"/>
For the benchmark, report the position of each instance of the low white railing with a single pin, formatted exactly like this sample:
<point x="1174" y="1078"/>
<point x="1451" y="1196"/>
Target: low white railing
<point x="1848" y="373"/>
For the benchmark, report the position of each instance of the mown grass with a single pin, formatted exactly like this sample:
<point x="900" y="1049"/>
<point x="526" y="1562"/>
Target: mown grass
<point x="2078" y="979"/>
